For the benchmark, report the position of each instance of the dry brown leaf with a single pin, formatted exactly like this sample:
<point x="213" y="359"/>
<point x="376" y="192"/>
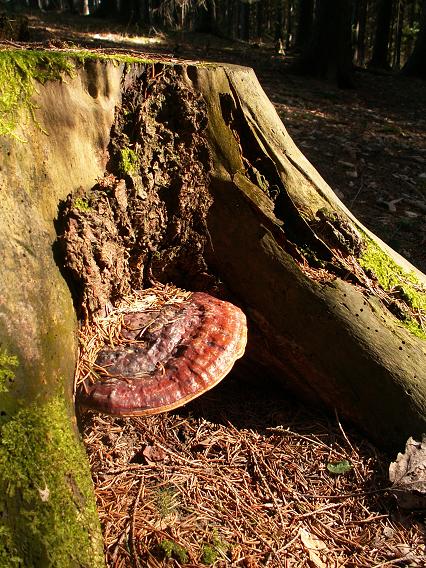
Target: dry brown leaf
<point x="319" y="554"/>
<point x="154" y="454"/>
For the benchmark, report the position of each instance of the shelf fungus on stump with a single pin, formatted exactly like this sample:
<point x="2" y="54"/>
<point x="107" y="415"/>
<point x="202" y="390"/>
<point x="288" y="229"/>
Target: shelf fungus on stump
<point x="166" y="356"/>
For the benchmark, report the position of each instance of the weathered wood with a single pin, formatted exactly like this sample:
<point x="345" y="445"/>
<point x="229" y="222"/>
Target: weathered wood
<point x="332" y="339"/>
<point x="47" y="507"/>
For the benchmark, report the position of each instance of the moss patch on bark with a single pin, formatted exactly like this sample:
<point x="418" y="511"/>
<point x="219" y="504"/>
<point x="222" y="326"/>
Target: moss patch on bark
<point x="21" y="70"/>
<point x="7" y="365"/>
<point x="48" y="505"/>
<point x="403" y="286"/>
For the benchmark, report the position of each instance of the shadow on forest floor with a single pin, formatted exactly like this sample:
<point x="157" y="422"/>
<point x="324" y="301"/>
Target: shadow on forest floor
<point x="245" y="472"/>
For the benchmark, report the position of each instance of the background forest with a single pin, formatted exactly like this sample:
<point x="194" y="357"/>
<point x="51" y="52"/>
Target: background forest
<point x="385" y="34"/>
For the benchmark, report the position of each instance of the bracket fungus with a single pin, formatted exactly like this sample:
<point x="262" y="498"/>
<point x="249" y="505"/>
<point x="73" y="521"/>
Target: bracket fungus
<point x="165" y="356"/>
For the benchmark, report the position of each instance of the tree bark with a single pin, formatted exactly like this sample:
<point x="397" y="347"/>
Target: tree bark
<point x="47" y="507"/>
<point x="381" y="42"/>
<point x="244" y="20"/>
<point x="416" y="63"/>
<point x="329" y="54"/>
<point x="361" y="10"/>
<point x="305" y="329"/>
<point x="305" y="22"/>
<point x="331" y="309"/>
<point x="279" y="20"/>
<point x="399" y="24"/>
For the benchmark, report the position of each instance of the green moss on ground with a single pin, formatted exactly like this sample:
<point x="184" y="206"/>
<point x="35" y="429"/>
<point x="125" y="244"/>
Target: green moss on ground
<point x="7" y="365"/>
<point x="47" y="499"/>
<point x="214" y="550"/>
<point x="170" y="549"/>
<point x="209" y="554"/>
<point x="393" y="279"/>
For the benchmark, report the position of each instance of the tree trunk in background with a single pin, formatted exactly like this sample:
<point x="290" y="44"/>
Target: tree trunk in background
<point x="260" y="13"/>
<point x="416" y="63"/>
<point x="129" y="11"/>
<point x="224" y="18"/>
<point x="329" y="54"/>
<point x="244" y="21"/>
<point x="409" y="41"/>
<point x="399" y="24"/>
<point x="360" y="30"/>
<point x="81" y="7"/>
<point x="144" y="12"/>
<point x="305" y="23"/>
<point x="279" y="20"/>
<point x="289" y="28"/>
<point x="108" y="9"/>
<point x="206" y="18"/>
<point x="380" y="58"/>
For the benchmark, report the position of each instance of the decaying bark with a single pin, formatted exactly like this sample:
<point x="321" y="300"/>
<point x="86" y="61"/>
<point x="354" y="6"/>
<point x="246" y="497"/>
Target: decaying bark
<point x="147" y="218"/>
<point x="218" y="198"/>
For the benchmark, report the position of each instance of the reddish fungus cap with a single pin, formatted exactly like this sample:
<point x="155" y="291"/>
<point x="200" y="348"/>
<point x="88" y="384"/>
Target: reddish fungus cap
<point x="168" y="357"/>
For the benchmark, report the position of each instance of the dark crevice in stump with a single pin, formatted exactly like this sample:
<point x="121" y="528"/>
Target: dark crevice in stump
<point x="145" y="221"/>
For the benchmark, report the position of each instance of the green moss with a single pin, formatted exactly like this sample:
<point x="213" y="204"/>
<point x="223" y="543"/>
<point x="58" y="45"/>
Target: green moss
<point x="81" y="204"/>
<point x="48" y="515"/>
<point x="171" y="549"/>
<point x="9" y="555"/>
<point x="19" y="73"/>
<point x="393" y="279"/>
<point x="7" y="374"/>
<point x="167" y="501"/>
<point x="129" y="161"/>
<point x="411" y="297"/>
<point x="21" y="70"/>
<point x="210" y="552"/>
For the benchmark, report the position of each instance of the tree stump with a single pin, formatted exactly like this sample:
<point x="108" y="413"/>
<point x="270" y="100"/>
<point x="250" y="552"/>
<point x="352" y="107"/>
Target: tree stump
<point x="204" y="188"/>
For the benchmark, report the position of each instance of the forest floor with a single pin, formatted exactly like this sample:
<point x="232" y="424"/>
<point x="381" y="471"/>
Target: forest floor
<point x="250" y="479"/>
